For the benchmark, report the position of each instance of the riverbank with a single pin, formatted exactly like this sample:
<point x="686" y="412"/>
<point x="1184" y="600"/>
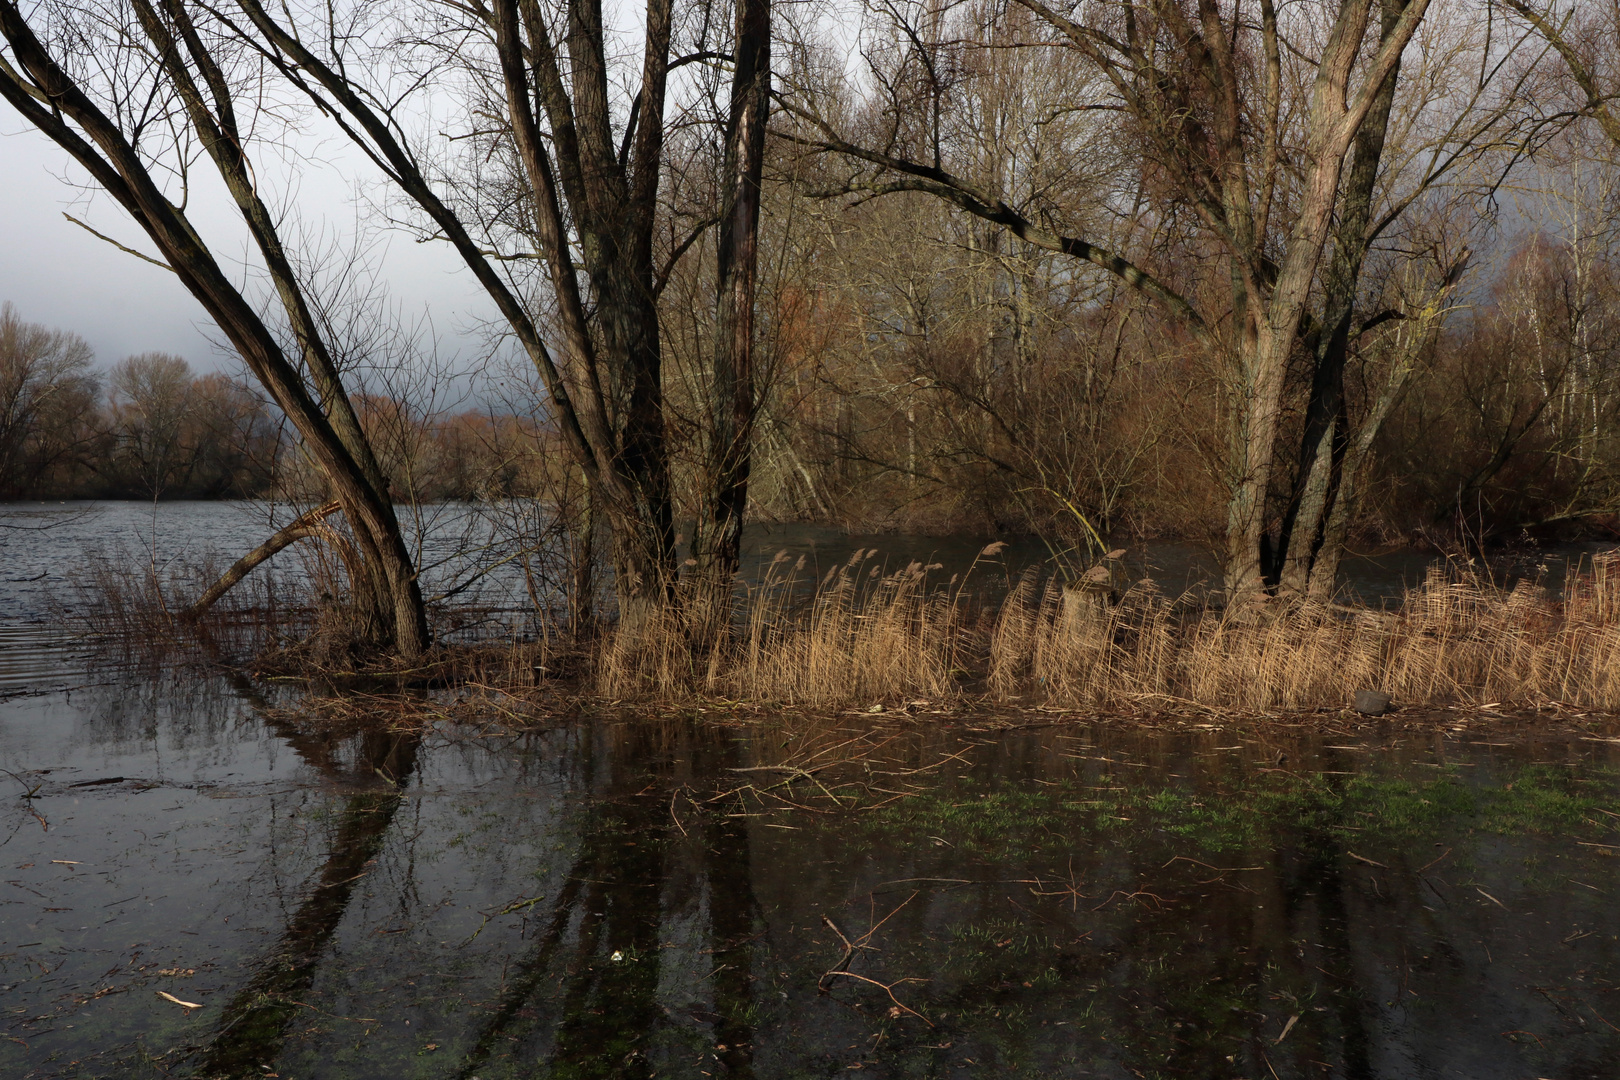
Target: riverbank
<point x="830" y="623"/>
<point x="866" y="640"/>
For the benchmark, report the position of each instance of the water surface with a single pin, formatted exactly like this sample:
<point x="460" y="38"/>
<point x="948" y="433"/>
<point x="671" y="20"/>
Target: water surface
<point x="724" y="894"/>
<point x="735" y="892"/>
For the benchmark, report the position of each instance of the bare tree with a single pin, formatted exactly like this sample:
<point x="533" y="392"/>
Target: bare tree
<point x="582" y="204"/>
<point x="151" y="399"/>
<point x="131" y="91"/>
<point x="1586" y="38"/>
<point x="1445" y="130"/>
<point x="1203" y="93"/>
<point x="46" y="386"/>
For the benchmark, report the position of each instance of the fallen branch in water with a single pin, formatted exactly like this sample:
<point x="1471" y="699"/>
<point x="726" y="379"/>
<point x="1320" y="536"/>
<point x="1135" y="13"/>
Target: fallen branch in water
<point x="304" y="525"/>
<point x="888" y="988"/>
<point x="852" y="948"/>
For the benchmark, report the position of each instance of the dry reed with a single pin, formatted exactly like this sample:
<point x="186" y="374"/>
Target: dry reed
<point x="1456" y="638"/>
<point x="860" y="635"/>
<point x="863" y="636"/>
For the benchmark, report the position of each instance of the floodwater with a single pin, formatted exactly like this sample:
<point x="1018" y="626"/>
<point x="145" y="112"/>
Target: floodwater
<point x="472" y="552"/>
<point x="635" y="897"/>
<point x="203" y="879"/>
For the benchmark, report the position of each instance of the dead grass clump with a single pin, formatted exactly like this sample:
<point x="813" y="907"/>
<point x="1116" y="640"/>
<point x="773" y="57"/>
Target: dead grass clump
<point x="866" y="636"/>
<point x="859" y="635"/>
<point x="133" y="607"/>
<point x="1457" y="638"/>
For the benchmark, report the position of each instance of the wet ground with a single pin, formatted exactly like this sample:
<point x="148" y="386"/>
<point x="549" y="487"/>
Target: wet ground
<point x="203" y="879"/>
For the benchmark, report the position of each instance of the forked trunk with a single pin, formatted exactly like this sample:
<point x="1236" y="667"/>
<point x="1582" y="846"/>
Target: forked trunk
<point x="1304" y="535"/>
<point x="1333" y="124"/>
<point x="717" y="541"/>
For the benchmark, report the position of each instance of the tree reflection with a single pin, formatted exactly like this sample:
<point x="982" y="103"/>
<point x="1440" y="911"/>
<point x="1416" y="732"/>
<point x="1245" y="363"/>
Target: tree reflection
<point x="604" y="925"/>
<point x="584" y="1002"/>
<point x="255" y="1021"/>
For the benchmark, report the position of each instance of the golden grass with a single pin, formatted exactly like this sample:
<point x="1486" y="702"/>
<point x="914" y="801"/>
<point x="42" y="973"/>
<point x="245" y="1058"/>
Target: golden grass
<point x="1456" y="638"/>
<point x="864" y="637"/>
<point x="861" y="635"/>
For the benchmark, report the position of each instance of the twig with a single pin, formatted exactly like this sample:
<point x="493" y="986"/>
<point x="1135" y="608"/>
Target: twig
<point x="674" y="816"/>
<point x="1131" y="896"/>
<point x="912" y="772"/>
<point x="1426" y="865"/>
<point x="888" y="988"/>
<point x="510" y="909"/>
<point x="838" y="968"/>
<point x="1217" y="869"/>
<point x="851" y="948"/>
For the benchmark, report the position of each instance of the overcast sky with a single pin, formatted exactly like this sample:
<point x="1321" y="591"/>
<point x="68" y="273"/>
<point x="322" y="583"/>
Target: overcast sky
<point x="56" y="273"/>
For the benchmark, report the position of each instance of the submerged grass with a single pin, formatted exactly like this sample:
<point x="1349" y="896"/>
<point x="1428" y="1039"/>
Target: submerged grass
<point x="1369" y="809"/>
<point x="862" y="636"/>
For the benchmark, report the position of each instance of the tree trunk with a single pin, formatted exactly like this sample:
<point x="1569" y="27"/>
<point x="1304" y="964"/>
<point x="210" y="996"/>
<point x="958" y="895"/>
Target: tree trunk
<point x="1325" y="436"/>
<point x="614" y="352"/>
<point x="1333" y="124"/>
<point x="582" y="586"/>
<point x="640" y="513"/>
<point x="1324" y="571"/>
<point x="717" y="539"/>
<point x="392" y="594"/>
<point x="305" y="525"/>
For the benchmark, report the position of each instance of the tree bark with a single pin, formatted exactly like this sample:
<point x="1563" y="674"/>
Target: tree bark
<point x="717" y="542"/>
<point x="1325" y="436"/>
<point x="305" y="525"/>
<point x="1333" y="124"/>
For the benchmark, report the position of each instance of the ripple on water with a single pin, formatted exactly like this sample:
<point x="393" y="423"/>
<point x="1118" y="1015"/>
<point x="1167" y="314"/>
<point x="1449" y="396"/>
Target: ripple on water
<point x="38" y="658"/>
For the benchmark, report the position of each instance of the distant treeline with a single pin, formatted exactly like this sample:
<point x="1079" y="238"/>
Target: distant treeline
<point x="1513" y="424"/>
<point x="152" y="427"/>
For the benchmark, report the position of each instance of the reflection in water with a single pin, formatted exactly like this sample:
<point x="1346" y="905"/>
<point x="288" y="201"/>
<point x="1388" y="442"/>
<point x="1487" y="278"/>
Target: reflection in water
<point x="1318" y="881"/>
<point x="254" y="1021"/>
<point x="640" y="899"/>
<point x="733" y="918"/>
<point x="600" y="944"/>
<point x="606" y="1005"/>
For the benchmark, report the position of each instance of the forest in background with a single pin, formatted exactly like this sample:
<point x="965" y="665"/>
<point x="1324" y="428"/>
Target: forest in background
<point x="950" y="422"/>
<point x="1274" y="278"/>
